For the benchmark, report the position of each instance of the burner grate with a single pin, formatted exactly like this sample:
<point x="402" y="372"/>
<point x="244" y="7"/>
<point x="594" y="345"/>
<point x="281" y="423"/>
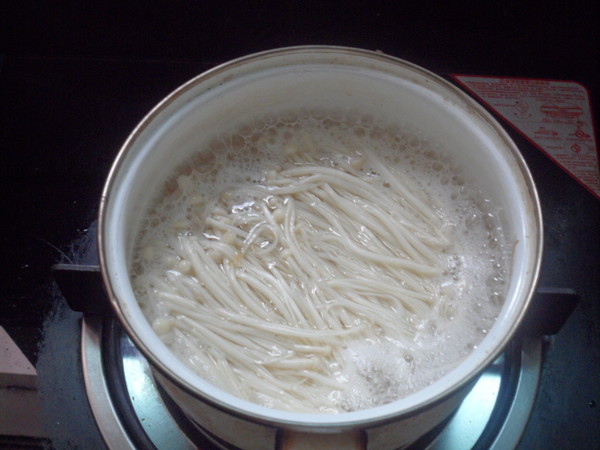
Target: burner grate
<point x="131" y="411"/>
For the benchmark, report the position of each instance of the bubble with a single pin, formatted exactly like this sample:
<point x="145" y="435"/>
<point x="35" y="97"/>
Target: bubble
<point x="359" y="131"/>
<point x="489" y="221"/>
<point x="497" y="299"/>
<point x="471" y="219"/>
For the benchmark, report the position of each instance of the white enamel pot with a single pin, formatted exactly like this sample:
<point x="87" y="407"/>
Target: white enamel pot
<point x="325" y="78"/>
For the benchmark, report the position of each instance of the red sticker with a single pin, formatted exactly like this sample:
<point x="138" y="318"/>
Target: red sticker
<point x="555" y="116"/>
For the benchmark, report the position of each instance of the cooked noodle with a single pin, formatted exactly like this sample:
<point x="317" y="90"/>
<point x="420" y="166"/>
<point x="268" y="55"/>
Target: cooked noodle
<point x="273" y="282"/>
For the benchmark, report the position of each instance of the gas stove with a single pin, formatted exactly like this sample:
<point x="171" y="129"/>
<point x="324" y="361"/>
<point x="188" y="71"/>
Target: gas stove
<point x="130" y="410"/>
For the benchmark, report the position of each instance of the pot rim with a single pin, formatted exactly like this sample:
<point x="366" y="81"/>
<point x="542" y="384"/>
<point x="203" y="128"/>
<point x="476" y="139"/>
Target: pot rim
<point x="264" y="415"/>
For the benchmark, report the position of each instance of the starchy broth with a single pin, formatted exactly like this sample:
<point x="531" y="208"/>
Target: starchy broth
<point x="320" y="261"/>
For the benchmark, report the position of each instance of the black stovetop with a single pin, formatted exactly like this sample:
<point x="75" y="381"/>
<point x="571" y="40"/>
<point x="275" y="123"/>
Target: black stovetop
<point x="75" y="80"/>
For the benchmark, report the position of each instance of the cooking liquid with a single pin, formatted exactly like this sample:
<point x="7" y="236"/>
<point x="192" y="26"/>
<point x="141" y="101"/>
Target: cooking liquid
<point x="217" y="182"/>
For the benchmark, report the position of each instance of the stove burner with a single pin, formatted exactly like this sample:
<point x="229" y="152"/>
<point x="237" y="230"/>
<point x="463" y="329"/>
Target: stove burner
<point x="132" y="412"/>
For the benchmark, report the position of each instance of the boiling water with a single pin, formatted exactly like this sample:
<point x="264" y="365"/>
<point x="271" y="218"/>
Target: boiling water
<point x="216" y="190"/>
